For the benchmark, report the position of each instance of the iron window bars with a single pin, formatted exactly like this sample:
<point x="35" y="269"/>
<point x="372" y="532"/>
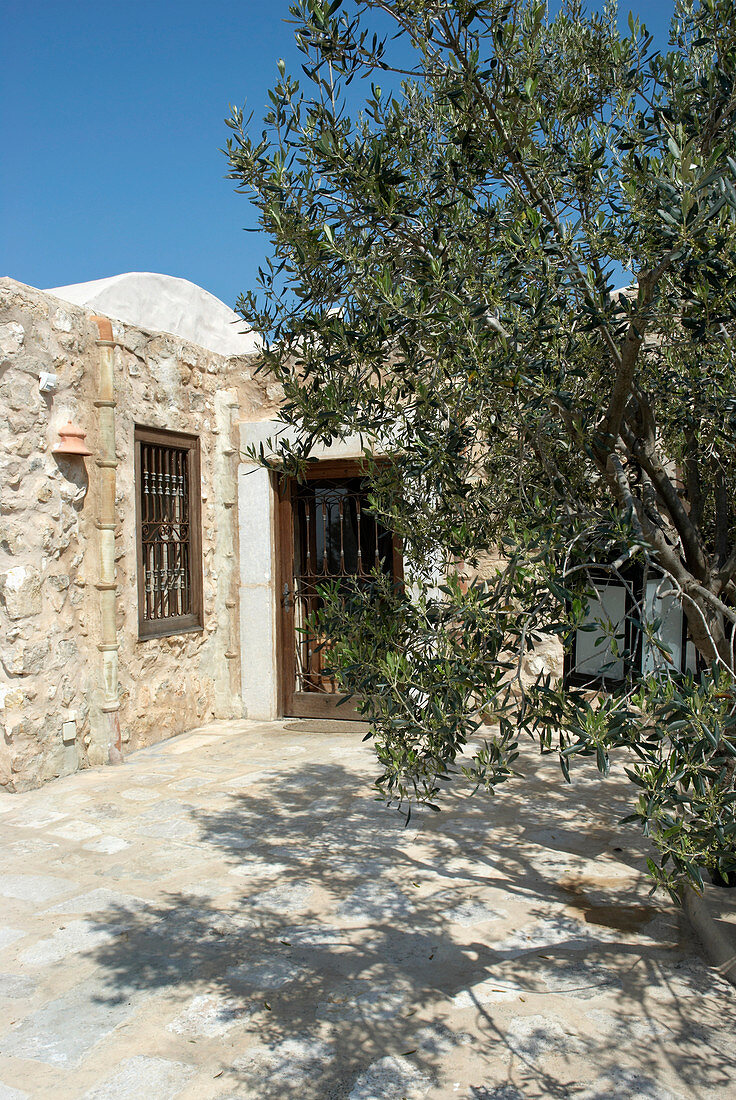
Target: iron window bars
<point x="168" y="532"/>
<point x="338" y="538"/>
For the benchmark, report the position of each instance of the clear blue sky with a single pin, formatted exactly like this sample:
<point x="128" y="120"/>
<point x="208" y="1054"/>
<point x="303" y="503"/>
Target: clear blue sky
<point x="110" y="126"/>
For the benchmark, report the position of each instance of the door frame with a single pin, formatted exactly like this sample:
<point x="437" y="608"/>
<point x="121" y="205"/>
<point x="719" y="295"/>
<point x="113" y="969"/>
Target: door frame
<point x="311" y="704"/>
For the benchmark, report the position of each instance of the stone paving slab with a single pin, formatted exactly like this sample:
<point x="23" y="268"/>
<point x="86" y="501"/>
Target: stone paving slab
<point x="232" y="915"/>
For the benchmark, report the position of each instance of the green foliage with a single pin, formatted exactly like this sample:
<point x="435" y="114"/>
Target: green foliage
<point x="442" y="281"/>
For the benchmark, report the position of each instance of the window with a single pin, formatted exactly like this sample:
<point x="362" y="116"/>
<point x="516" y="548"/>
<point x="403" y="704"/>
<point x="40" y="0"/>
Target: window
<point x="603" y="645"/>
<point x="610" y="649"/>
<point x="168" y="533"/>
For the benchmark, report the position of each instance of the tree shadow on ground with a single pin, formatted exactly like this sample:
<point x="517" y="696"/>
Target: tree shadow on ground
<point x="342" y="938"/>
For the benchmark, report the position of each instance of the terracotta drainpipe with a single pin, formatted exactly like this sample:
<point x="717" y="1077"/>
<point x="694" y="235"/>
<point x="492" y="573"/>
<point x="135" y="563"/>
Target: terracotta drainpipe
<point x="107" y="463"/>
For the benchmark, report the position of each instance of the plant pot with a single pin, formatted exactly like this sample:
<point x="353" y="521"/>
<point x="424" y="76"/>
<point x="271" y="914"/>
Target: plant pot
<point x="726" y="880"/>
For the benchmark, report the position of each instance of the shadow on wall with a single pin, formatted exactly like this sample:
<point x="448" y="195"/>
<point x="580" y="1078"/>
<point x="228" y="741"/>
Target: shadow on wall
<point x="338" y="949"/>
<point x="74" y="472"/>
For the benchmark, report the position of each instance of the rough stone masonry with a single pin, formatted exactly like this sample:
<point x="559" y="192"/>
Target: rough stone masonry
<point x="51" y="688"/>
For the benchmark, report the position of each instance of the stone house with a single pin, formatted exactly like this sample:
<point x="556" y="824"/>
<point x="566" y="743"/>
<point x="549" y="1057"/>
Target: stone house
<point x="79" y="678"/>
<point x="153" y="575"/>
<point x="159" y="580"/>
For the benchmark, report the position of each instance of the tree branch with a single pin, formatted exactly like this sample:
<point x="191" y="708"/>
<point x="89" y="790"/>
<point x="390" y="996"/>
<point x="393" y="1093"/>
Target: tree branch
<point x="533" y="191"/>
<point x="723" y="517"/>
<point x="692" y="475"/>
<point x="645" y="454"/>
<point x="709" y="597"/>
<point x="726" y="573"/>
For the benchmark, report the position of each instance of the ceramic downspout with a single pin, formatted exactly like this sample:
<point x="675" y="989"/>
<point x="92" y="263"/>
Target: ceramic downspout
<point x="107" y="463"/>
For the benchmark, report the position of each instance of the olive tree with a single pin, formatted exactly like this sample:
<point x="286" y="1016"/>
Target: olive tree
<point x="455" y="194"/>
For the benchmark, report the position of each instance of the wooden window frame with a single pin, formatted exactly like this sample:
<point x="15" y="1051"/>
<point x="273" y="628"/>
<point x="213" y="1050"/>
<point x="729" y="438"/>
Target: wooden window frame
<point x="193" y="622"/>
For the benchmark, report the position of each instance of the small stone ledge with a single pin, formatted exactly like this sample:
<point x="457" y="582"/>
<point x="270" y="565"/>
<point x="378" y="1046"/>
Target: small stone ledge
<point x="712" y="916"/>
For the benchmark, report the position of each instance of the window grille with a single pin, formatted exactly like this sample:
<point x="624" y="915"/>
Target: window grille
<point x="169" y="556"/>
<point x="337" y="537"/>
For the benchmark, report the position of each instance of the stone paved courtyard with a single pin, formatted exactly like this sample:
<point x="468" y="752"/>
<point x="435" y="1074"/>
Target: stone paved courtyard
<point x="232" y="915"/>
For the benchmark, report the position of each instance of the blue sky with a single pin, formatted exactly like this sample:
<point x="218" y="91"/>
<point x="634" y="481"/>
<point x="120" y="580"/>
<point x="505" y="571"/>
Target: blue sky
<point x="112" y="118"/>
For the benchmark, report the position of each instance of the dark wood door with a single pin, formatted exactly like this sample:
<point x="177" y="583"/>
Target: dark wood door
<point x="327" y="533"/>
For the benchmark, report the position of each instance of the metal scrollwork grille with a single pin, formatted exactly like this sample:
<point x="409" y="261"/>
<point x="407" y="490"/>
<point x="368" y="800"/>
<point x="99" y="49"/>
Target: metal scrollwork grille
<point x="165" y="531"/>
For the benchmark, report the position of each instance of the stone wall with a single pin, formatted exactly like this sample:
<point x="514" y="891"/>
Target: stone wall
<point x="547" y="657"/>
<point x="50" y="666"/>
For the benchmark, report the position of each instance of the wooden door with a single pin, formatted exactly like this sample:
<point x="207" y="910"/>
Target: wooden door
<point x="327" y="533"/>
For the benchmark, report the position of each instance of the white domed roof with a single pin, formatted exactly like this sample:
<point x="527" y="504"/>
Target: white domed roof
<point x="163" y="303"/>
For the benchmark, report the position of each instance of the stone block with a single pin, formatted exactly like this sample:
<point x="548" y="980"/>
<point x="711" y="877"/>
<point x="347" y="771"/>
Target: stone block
<point x="294" y="1066"/>
<point x="15" y="987"/>
<point x="373" y="901"/>
<point x="13" y="660"/>
<point x="34" y="888"/>
<point x="20" y="591"/>
<point x="264" y="974"/>
<point x="59" y="759"/>
<point x="168" y="830"/>
<point x="532" y="1036"/>
<point x="37" y="817"/>
<point x="141" y="1076"/>
<point x="209" y="1016"/>
<point x="6" y="1093"/>
<point x="391" y="1076"/>
<point x="378" y="1003"/>
<point x="255" y="510"/>
<point x="71" y="939"/>
<point x="61" y="1033"/>
<point x="259" y="686"/>
<point x="107" y="845"/>
<point x="100" y="900"/>
<point x="12" y="336"/>
<point x="471" y="912"/>
<point x="9" y="935"/>
<point x="62" y="322"/>
<point x="27" y="660"/>
<point x="21" y="395"/>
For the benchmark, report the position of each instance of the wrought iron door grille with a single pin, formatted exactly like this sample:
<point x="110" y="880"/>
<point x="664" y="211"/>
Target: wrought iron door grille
<point x="336" y="537"/>
<point x="165" y="531"/>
